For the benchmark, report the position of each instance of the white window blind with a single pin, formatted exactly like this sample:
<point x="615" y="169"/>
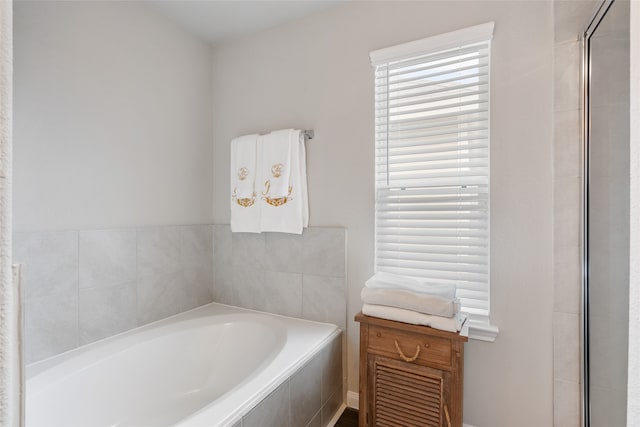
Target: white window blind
<point x="432" y="162"/>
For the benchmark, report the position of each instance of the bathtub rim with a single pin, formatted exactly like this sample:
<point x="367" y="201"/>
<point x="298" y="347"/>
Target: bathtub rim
<point x="34" y="368"/>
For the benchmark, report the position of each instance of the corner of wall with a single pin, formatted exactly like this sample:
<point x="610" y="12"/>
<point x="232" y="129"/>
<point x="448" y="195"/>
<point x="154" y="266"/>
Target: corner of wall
<point x="570" y="20"/>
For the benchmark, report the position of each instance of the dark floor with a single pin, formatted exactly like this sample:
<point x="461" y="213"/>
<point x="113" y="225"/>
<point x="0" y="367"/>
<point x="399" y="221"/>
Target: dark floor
<point x="349" y="418"/>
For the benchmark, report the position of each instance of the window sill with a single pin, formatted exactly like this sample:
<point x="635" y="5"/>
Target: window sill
<point x="481" y="330"/>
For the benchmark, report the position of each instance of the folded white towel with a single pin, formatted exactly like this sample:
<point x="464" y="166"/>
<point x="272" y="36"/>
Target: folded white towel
<point x="382" y="280"/>
<point x="284" y="205"/>
<point x="244" y="167"/>
<point x="408" y="300"/>
<point x="450" y="324"/>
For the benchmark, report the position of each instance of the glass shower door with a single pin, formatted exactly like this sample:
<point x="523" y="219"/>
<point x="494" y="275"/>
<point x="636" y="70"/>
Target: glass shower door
<point x="607" y="220"/>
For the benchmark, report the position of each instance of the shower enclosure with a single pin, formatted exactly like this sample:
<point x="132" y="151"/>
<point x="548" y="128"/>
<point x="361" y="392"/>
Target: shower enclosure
<point x="606" y="220"/>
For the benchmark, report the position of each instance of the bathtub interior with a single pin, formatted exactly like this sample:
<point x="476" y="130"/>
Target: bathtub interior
<point x="159" y="381"/>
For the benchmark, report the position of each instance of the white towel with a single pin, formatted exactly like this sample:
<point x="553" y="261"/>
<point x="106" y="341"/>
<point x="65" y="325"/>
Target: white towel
<point x="277" y="162"/>
<point x="422" y="303"/>
<point x="245" y="164"/>
<point x="450" y="324"/>
<point x="283" y="194"/>
<point x="382" y="280"/>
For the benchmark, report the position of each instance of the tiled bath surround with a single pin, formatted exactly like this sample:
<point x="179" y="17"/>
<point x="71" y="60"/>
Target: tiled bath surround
<point x="310" y="397"/>
<point x="294" y="275"/>
<point x="82" y="286"/>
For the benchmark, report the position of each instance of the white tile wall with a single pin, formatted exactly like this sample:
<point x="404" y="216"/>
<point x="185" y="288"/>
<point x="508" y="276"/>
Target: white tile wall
<point x="331" y="360"/>
<point x="566" y="211"/>
<point x="196" y="246"/>
<point x="222" y="287"/>
<point x="323" y="299"/>
<point x="50" y="325"/>
<point x="248" y="287"/>
<point x="248" y="250"/>
<point x="324" y="251"/>
<point x="566" y="75"/>
<point x="50" y="262"/>
<point x="566" y="266"/>
<point x="284" y="293"/>
<point x="158" y="251"/>
<point x="300" y="276"/>
<point x="107" y="257"/>
<point x="106" y="310"/>
<point x="306" y="395"/>
<point x="158" y="297"/>
<point x="332" y="406"/>
<point x="571" y="18"/>
<point x="84" y="286"/>
<point x="566" y="347"/>
<point x="567" y="149"/>
<point x="316" y="421"/>
<point x="566" y="407"/>
<point x="196" y="284"/>
<point x="284" y="252"/>
<point x="273" y="411"/>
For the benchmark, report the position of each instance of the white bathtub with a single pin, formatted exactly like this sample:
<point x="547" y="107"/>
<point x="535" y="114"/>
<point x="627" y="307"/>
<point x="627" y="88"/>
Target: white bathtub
<point x="208" y="366"/>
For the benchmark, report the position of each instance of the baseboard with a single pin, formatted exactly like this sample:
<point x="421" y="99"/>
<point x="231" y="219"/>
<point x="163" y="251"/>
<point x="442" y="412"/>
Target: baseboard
<point x="353" y="399"/>
<point x="336" y="416"/>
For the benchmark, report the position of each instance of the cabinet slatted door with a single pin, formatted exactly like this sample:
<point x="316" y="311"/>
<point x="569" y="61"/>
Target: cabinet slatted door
<point x="406" y="395"/>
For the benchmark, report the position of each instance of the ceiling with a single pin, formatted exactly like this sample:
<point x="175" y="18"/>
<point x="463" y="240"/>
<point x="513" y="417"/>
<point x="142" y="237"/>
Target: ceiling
<point x="218" y="21"/>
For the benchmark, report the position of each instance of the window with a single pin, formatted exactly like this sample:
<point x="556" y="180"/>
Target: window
<point x="432" y="162"/>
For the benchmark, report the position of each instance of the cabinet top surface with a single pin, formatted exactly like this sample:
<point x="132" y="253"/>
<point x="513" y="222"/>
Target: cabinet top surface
<point x="424" y="330"/>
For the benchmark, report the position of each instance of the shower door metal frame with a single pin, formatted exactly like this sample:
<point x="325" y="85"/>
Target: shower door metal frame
<point x="586" y="130"/>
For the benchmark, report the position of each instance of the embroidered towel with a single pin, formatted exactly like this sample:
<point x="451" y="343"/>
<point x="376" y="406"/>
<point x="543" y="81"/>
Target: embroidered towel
<point x="382" y="280"/>
<point x="283" y="194"/>
<point x="422" y="303"/>
<point x="277" y="163"/>
<point x="450" y="324"/>
<point x="245" y="206"/>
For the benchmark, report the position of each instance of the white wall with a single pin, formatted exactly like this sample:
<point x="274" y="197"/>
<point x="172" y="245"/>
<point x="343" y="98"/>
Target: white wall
<point x="112" y="118"/>
<point x="315" y="73"/>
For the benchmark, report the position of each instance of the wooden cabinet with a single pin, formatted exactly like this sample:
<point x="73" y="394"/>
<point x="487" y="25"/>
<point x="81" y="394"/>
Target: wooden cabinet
<point x="409" y="375"/>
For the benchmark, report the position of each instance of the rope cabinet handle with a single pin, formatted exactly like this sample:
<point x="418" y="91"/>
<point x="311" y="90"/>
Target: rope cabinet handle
<point x="405" y="358"/>
<point x="446" y="414"/>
